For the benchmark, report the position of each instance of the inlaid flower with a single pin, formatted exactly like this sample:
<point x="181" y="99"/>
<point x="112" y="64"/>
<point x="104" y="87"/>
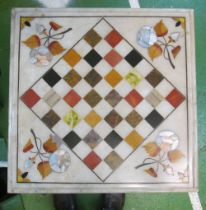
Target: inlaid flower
<point x="167" y="140"/>
<point x="40" y="56"/>
<point x="59" y="161"/>
<point x="146" y="36"/>
<point x="44" y="44"/>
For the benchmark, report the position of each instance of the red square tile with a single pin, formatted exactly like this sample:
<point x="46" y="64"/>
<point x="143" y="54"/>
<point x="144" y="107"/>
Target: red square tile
<point x="30" y="98"/>
<point x="175" y="98"/>
<point x="113" y="38"/>
<point x="113" y="58"/>
<point x="133" y="98"/>
<point x="72" y="98"/>
<point x="92" y="160"/>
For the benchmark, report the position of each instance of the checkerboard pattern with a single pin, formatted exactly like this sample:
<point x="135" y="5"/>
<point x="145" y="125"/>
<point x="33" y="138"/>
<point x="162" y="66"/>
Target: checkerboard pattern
<point x="103" y="99"/>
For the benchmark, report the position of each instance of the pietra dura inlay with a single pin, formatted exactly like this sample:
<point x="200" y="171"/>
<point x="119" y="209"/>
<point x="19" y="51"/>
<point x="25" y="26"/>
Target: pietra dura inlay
<point x="72" y="78"/>
<point x="113" y="98"/>
<point x="93" y="58"/>
<point x="93" y="78"/>
<point x="102" y="101"/>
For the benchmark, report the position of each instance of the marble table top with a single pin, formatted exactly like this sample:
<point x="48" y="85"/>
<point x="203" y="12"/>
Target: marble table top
<point x="102" y="100"/>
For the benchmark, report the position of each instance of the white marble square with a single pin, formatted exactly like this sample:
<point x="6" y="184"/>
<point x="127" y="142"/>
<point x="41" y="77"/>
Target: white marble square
<point x="103" y="28"/>
<point x="102" y="170"/>
<point x="82" y="88"/>
<point x="123" y="68"/>
<point x="102" y="88"/>
<point x="103" y="129"/>
<point x="144" y="108"/>
<point x="61" y="88"/>
<point x="123" y="149"/>
<point x="103" y="108"/>
<point x="103" y="68"/>
<point x="103" y="48"/>
<point x="144" y="128"/>
<point x="144" y="68"/>
<point x="82" y="47"/>
<point x="82" y="68"/>
<point x="61" y="129"/>
<point x="82" y="108"/>
<point x="82" y="129"/>
<point x="164" y="108"/>
<point x="82" y="149"/>
<point x="41" y="88"/>
<point x="103" y="149"/>
<point x="123" y="88"/>
<point x="61" y="108"/>
<point x="144" y="88"/>
<point x="164" y="88"/>
<point x="123" y="108"/>
<point x="41" y="108"/>
<point x="123" y="129"/>
<point x="123" y="48"/>
<point x="62" y="67"/>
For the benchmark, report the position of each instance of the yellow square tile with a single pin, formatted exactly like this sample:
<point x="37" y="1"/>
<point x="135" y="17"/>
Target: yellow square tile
<point x="72" y="57"/>
<point x="134" y="139"/>
<point x="92" y="118"/>
<point x="113" y="78"/>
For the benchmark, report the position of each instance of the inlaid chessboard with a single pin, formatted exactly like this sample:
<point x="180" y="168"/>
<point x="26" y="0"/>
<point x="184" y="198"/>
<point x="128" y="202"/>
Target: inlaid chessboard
<point x="94" y="101"/>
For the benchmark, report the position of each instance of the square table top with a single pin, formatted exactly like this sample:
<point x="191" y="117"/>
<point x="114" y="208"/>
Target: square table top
<point x="102" y="100"/>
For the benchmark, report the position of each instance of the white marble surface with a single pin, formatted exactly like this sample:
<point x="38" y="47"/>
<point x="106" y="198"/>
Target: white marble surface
<point x="92" y="169"/>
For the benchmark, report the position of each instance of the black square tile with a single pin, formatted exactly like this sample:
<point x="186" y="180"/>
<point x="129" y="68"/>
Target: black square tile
<point x="93" y="78"/>
<point x="133" y="58"/>
<point x="50" y="119"/>
<point x="93" y="58"/>
<point x="51" y="77"/>
<point x="154" y="118"/>
<point x="71" y="139"/>
<point x="113" y="139"/>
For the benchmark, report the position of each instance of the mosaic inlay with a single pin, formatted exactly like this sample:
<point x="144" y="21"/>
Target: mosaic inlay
<point x="113" y="78"/>
<point x="104" y="102"/>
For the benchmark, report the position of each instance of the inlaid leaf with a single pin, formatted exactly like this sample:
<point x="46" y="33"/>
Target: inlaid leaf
<point x="175" y="51"/>
<point x="55" y="48"/>
<point x="151" y="172"/>
<point x="50" y="146"/>
<point x="32" y="42"/>
<point x="161" y="29"/>
<point x="152" y="149"/>
<point x="28" y="146"/>
<point x="154" y="51"/>
<point x="55" y="25"/>
<point x="44" y="168"/>
<point x="175" y="155"/>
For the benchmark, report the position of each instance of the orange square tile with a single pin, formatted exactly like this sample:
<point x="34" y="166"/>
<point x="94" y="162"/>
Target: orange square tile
<point x="134" y="139"/>
<point x="113" y="78"/>
<point x="92" y="118"/>
<point x="72" y="57"/>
